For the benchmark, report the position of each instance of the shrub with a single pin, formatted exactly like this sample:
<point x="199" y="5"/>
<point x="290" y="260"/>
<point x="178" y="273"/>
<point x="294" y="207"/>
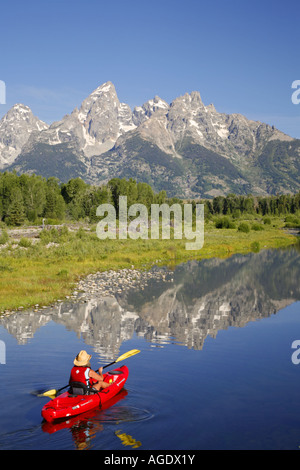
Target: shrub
<point x="25" y="243"/>
<point x="224" y="222"/>
<point x="292" y="221"/>
<point x="255" y="247"/>
<point x="267" y="221"/>
<point x="257" y="227"/>
<point x="244" y="227"/>
<point x="236" y="214"/>
<point x="81" y="233"/>
<point x="3" y="237"/>
<point x="292" y="225"/>
<point x="54" y="235"/>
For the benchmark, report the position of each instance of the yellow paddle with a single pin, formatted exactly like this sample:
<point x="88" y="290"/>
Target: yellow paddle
<point x="52" y="393"/>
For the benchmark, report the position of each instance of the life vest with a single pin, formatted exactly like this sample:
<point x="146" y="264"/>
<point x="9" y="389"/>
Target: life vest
<point x="81" y="374"/>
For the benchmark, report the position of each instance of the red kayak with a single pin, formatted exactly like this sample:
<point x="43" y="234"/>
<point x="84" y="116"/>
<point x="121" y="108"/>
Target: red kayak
<point x="90" y="418"/>
<point x="67" y="405"/>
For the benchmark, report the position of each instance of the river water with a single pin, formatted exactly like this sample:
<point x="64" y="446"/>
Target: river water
<point x="217" y="368"/>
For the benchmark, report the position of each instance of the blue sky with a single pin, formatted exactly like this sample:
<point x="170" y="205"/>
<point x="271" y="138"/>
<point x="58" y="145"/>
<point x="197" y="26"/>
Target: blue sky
<point x="241" y="55"/>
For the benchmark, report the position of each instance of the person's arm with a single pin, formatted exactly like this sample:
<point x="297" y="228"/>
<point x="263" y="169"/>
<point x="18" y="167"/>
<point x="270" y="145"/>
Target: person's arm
<point x="96" y="376"/>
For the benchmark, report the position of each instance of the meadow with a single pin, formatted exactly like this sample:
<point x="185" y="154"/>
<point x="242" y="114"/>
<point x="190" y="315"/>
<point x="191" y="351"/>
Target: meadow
<point x="45" y="268"/>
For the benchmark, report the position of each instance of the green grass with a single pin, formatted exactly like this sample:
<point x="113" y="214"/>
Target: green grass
<point x="43" y="272"/>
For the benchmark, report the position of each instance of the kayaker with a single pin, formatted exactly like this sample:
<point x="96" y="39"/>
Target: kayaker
<point x="82" y="372"/>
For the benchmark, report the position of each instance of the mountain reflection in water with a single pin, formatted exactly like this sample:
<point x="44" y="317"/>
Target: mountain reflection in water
<point x="205" y="297"/>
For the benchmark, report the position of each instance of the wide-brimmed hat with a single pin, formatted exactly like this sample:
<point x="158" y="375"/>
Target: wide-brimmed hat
<point x="82" y="358"/>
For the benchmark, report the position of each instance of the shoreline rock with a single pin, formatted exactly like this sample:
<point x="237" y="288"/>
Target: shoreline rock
<point x="114" y="283"/>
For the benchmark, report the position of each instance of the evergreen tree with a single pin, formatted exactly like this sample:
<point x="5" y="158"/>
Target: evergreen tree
<point x="34" y="194"/>
<point x="73" y="189"/>
<point x="16" y="211"/>
<point x="55" y="204"/>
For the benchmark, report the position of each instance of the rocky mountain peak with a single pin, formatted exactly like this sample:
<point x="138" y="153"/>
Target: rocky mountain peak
<point x="144" y="112"/>
<point x="18" y="124"/>
<point x="100" y="98"/>
<point x="95" y="126"/>
<point x="19" y="113"/>
<point x="188" y="102"/>
<point x="104" y="119"/>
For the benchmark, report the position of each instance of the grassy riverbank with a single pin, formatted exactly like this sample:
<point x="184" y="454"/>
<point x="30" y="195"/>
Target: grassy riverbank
<point x="46" y="268"/>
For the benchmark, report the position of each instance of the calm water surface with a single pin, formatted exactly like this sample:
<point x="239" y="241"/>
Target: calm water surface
<point x="215" y="369"/>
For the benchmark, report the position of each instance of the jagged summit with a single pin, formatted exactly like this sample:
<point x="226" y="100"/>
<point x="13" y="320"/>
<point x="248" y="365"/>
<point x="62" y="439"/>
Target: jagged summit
<point x="15" y="129"/>
<point x="94" y="127"/>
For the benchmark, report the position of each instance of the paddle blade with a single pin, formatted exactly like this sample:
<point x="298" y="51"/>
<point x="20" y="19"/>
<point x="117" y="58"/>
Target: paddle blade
<point x="128" y="354"/>
<point x="49" y="393"/>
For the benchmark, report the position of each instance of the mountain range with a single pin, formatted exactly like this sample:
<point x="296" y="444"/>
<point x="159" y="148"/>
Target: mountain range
<point x="185" y="147"/>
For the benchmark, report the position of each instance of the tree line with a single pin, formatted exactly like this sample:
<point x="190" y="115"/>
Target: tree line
<point x="275" y="205"/>
<point x="28" y="198"/>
